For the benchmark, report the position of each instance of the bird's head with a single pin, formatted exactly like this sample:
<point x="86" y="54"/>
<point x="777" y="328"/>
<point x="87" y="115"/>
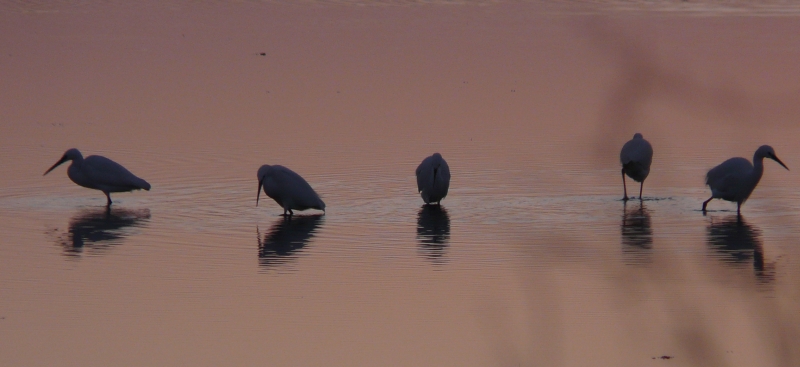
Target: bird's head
<point x="638" y="136"/>
<point x="766" y="151"/>
<point x="70" y="155"/>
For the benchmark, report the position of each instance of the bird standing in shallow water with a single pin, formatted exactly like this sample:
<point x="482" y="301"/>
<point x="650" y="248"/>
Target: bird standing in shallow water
<point x="636" y="156"/>
<point x="433" y="179"/>
<point x="288" y="189"/>
<point x="735" y="179"/>
<point x="100" y="173"/>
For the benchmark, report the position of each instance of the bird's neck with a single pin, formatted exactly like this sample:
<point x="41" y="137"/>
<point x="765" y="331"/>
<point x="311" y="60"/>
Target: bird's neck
<point x="758" y="168"/>
<point x="76" y="162"/>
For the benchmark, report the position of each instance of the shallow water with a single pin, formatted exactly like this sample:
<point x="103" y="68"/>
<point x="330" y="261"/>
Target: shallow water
<point x="533" y="258"/>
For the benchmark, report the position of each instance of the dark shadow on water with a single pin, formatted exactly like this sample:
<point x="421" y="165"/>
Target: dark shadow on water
<point x="637" y="234"/>
<point x="738" y="243"/>
<point x="96" y="230"/>
<point x="284" y="240"/>
<point x="433" y="232"/>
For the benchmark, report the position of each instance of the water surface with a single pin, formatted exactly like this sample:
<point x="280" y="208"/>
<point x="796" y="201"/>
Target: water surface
<point x="532" y="258"/>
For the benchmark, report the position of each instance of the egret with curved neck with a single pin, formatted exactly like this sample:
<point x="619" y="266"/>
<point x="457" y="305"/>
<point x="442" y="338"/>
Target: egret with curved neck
<point x="100" y="173"/>
<point x="735" y="179"/>
<point x="288" y="189"/>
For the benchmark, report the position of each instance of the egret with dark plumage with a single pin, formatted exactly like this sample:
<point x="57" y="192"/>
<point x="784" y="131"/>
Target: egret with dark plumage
<point x="433" y="179"/>
<point x="636" y="156"/>
<point x="288" y="189"/>
<point x="735" y="179"/>
<point x="100" y="173"/>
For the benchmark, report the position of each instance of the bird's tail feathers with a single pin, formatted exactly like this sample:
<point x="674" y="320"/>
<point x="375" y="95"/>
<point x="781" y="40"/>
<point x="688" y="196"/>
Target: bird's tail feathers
<point x="144" y="185"/>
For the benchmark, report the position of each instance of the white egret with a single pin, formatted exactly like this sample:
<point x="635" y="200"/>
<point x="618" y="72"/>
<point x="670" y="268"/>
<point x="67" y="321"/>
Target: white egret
<point x="100" y="173"/>
<point x="636" y="156"/>
<point x="288" y="189"/>
<point x="433" y="179"/>
<point x="735" y="179"/>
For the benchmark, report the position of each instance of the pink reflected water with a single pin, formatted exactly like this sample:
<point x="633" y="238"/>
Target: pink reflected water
<point x="533" y="259"/>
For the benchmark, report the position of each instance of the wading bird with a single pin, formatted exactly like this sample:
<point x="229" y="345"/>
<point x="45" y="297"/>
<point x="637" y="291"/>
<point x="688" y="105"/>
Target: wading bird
<point x="636" y="156"/>
<point x="735" y="179"/>
<point x="433" y="179"/>
<point x="100" y="173"/>
<point x="288" y="189"/>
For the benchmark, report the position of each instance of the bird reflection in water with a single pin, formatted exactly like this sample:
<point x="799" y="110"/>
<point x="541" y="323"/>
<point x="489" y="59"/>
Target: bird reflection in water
<point x="96" y="230"/>
<point x="285" y="238"/>
<point x="637" y="234"/>
<point x="738" y="243"/>
<point x="433" y="232"/>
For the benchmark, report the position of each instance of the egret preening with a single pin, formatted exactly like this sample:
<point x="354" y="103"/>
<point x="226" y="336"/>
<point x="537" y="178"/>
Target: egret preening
<point x="433" y="179"/>
<point x="288" y="189"/>
<point x="735" y="179"/>
<point x="100" y="173"/>
<point x="636" y="156"/>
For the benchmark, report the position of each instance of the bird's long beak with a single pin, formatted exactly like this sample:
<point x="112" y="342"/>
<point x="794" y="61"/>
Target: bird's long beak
<point x="259" y="190"/>
<point x="775" y="157"/>
<point x="62" y="160"/>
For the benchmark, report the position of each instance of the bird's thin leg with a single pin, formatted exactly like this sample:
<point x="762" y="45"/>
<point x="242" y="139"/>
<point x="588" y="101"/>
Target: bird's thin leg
<point x="624" y="188"/>
<point x="706" y="203"/>
<point x="641" y="186"/>
<point x="107" y="197"/>
<point x="738" y="208"/>
<point x="291" y="213"/>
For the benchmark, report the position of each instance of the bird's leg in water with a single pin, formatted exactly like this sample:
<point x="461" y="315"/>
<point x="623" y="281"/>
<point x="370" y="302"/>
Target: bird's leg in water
<point x="641" y="186"/>
<point x="625" y="189"/>
<point x="107" y="197"/>
<point x="706" y="203"/>
<point x="738" y="208"/>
